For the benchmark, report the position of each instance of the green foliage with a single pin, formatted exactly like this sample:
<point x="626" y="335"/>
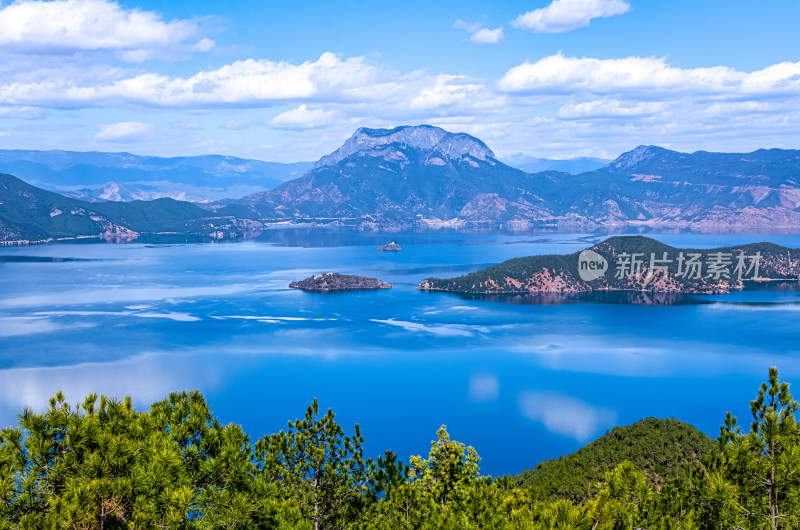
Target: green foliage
<point x="752" y="479"/>
<point x="31" y="213"/>
<point x="102" y="464"/>
<point x="660" y="448"/>
<point x="321" y="469"/>
<point x="776" y="263"/>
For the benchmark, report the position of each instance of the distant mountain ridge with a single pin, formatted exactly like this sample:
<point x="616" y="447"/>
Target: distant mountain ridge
<point x="423" y="176"/>
<point x="573" y="166"/>
<point x="32" y="215"/>
<point x="124" y="176"/>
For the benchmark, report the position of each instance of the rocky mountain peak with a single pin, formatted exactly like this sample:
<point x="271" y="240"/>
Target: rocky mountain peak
<point x="424" y="137"/>
<point x="638" y="156"/>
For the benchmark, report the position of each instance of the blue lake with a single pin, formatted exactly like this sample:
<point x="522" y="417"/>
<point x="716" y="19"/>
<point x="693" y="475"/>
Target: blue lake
<point x="520" y="382"/>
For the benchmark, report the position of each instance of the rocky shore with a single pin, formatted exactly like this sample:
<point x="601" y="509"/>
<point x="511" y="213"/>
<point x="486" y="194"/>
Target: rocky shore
<point x="635" y="264"/>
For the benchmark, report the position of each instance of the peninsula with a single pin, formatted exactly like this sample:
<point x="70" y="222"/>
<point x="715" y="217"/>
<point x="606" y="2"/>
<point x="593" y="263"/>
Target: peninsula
<point x="632" y="263"/>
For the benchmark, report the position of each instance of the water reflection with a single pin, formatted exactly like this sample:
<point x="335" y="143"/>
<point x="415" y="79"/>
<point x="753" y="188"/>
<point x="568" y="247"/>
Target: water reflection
<point x="603" y="297"/>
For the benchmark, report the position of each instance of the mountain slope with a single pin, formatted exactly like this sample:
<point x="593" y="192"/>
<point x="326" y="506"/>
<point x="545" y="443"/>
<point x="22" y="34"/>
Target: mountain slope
<point x="660" y="448"/>
<point x="632" y="263"/>
<point x="401" y="176"/>
<point x="655" y="186"/>
<point x="425" y="176"/>
<point x="31" y="214"/>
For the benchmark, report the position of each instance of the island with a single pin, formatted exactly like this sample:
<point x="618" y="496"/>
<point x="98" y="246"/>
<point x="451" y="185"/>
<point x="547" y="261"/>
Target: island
<point x="391" y="247"/>
<point x="633" y="263"/>
<point x="333" y="281"/>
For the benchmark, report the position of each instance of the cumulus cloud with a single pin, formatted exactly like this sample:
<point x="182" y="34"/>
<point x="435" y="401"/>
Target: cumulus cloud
<point x="567" y="15"/>
<point x="558" y="74"/>
<point x="488" y="36"/>
<point x="565" y="415"/>
<point x="124" y="131"/>
<point x="354" y="82"/>
<point x="68" y="26"/>
<point x="443" y="90"/>
<point x="480" y="35"/>
<point x="302" y="118"/>
<point x="204" y="45"/>
<point x="242" y="83"/>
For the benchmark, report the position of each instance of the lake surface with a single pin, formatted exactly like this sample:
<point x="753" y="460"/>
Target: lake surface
<point x="520" y="382"/>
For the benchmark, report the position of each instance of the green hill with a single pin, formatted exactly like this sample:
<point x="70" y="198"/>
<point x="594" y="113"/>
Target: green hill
<point x="31" y="214"/>
<point x="658" y="447"/>
<point x="652" y="266"/>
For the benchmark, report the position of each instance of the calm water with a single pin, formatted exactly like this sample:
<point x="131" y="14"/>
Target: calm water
<point x="520" y="382"/>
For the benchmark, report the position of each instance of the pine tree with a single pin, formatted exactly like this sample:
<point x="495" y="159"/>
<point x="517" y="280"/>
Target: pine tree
<point x="753" y="479"/>
<point x="319" y="467"/>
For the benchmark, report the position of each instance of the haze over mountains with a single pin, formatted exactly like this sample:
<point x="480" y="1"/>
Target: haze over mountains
<point x="411" y="177"/>
<point x="125" y="177"/>
<point x="94" y="176"/>
<point x="531" y="164"/>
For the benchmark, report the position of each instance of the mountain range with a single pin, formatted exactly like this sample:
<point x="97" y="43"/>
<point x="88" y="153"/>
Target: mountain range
<point x="405" y="178"/>
<point x="94" y="176"/>
<point x="424" y="176"/>
<point x="575" y="166"/>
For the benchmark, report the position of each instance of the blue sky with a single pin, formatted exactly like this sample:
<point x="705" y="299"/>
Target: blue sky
<point x="290" y="81"/>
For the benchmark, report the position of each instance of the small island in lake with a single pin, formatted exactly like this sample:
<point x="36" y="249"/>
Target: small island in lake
<point x="333" y="281"/>
<point x="633" y="263"/>
<point x="391" y="247"/>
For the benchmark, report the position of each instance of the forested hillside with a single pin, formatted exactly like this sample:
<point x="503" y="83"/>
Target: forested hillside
<point x="102" y="464"/>
<point x="660" y="448"/>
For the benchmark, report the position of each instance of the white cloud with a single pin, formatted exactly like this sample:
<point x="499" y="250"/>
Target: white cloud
<point x="355" y="81"/>
<point x="558" y="74"/>
<point x="68" y="26"/>
<point x="567" y="15"/>
<point x="611" y="108"/>
<point x="445" y="90"/>
<point x="739" y="107"/>
<point x="488" y="36"/>
<point x="565" y="415"/>
<point x="243" y="83"/>
<point x="204" y="45"/>
<point x="302" y="118"/>
<point x="469" y="27"/>
<point x="478" y="34"/>
<point x="124" y="131"/>
<point x="24" y="113"/>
